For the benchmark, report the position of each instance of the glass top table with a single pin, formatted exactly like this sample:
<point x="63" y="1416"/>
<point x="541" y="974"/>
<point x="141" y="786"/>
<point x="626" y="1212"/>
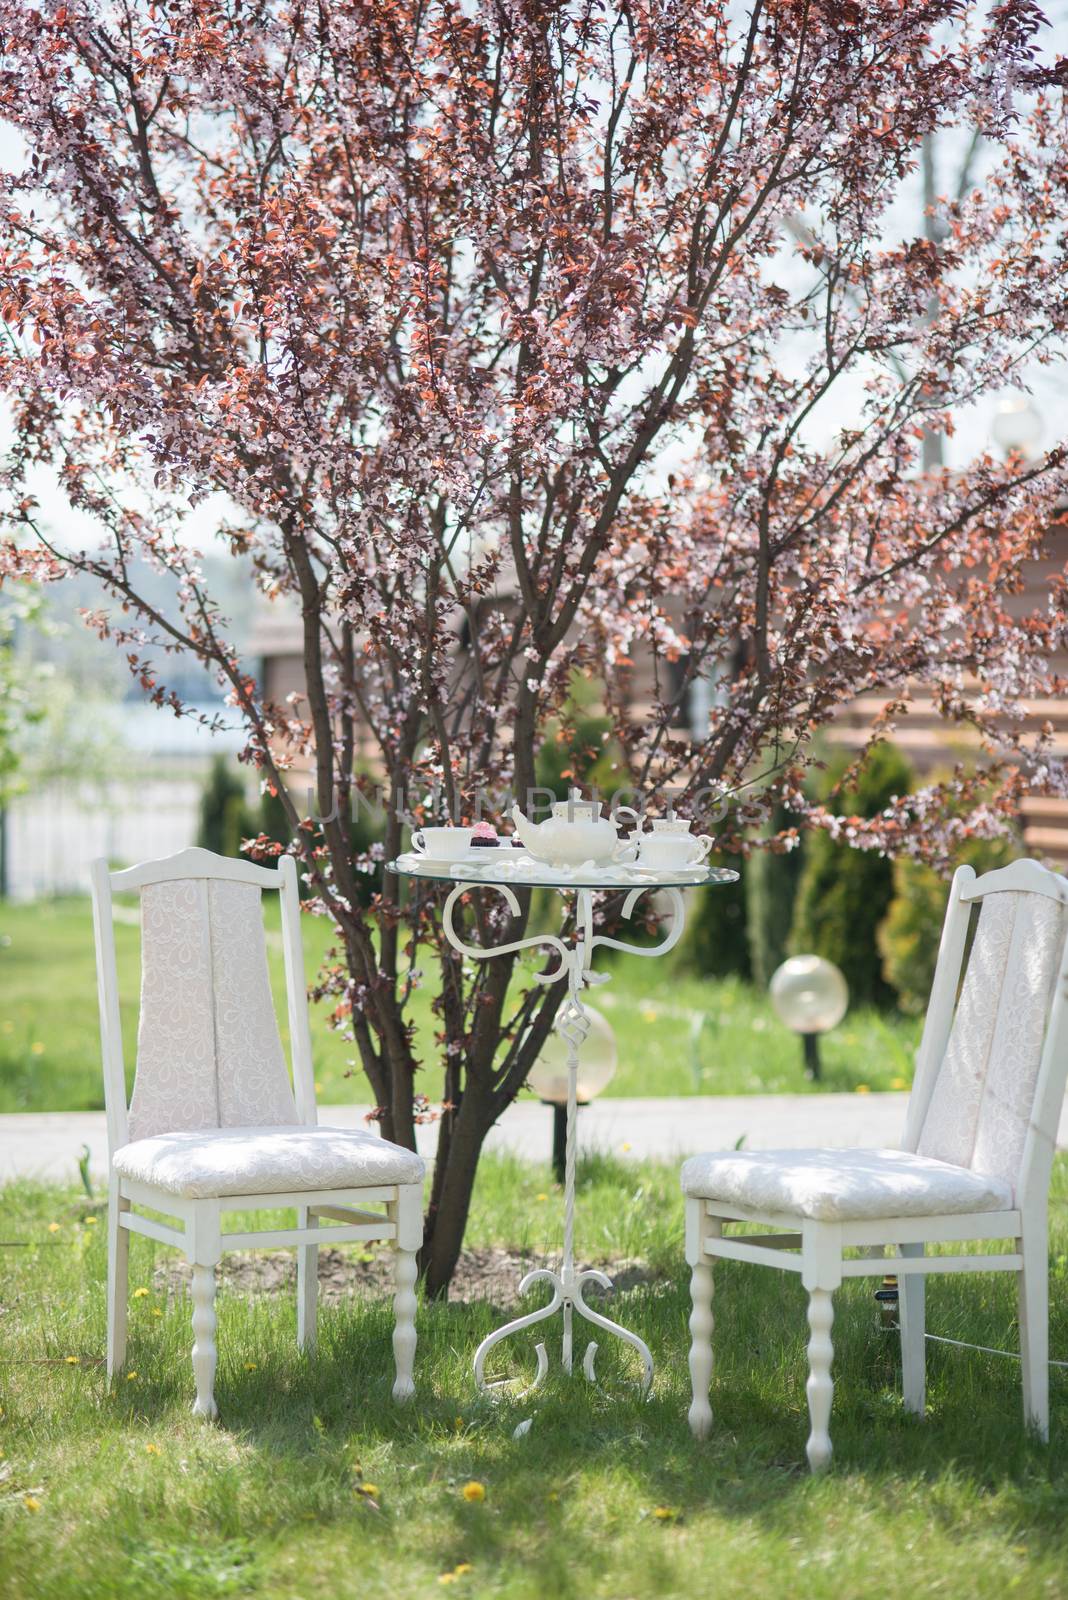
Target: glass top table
<point x="515" y="875"/>
<point x="573" y="966"/>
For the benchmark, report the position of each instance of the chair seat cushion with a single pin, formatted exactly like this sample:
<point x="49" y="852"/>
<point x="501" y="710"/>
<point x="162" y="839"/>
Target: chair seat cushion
<point x="842" y="1185"/>
<point x="211" y="1162"/>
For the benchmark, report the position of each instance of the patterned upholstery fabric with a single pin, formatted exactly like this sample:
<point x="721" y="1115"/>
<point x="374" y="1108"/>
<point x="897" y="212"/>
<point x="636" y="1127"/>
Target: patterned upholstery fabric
<point x="205" y="1165"/>
<point x="981" y="1106"/>
<point x="208" y="1050"/>
<point x="841" y="1185"/>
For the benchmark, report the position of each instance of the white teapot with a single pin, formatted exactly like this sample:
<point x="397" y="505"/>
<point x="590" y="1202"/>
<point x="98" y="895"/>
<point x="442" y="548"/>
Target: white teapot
<point x="574" y="833"/>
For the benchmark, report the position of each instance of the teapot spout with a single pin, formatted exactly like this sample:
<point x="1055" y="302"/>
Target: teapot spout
<point x="527" y="830"/>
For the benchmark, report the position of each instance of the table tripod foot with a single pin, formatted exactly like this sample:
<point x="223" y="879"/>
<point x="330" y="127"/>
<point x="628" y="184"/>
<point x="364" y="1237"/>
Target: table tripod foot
<point x="609" y="1326"/>
<point x="517" y="1326"/>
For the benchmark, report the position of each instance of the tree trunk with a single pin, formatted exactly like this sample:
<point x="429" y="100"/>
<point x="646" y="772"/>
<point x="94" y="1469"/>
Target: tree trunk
<point x="445" y="1226"/>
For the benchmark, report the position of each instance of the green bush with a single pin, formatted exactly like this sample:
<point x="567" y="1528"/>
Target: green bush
<point x="580" y="755"/>
<point x="273" y="820"/>
<point x="844" y="893"/>
<point x="771" y="880"/>
<point x="909" y="933"/>
<point x="225" y="815"/>
<point x="365" y="830"/>
<point x="716" y="945"/>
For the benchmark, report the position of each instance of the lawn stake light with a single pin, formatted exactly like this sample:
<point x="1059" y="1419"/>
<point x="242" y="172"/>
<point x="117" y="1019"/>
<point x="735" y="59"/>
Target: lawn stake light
<point x="548" y="1079"/>
<point x="811" y="996"/>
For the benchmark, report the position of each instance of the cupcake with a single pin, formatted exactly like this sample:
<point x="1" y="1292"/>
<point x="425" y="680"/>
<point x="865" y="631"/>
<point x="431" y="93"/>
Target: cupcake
<point x="483" y="836"/>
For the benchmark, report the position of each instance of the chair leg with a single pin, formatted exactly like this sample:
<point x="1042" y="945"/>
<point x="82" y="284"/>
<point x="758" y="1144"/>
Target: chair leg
<point x="118" y="1278"/>
<point x="205" y="1355"/>
<point x="1034" y="1327"/>
<point x="702" y="1324"/>
<point x="912" y="1319"/>
<point x="820" y="1386"/>
<point x="307" y="1285"/>
<point x="699" y="1228"/>
<point x="404" y="1336"/>
<point x="406" y="1212"/>
<point x="821" y="1273"/>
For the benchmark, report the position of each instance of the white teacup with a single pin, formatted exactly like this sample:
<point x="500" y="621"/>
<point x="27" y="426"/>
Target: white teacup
<point x="674" y="850"/>
<point x="442" y="844"/>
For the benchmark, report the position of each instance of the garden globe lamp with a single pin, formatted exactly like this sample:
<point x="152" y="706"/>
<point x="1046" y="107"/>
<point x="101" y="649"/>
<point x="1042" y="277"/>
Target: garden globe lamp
<point x="596" y="1069"/>
<point x="1017" y="426"/>
<point x="811" y="996"/>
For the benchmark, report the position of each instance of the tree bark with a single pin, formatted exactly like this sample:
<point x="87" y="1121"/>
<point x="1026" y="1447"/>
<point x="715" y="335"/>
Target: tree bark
<point x="445" y="1226"/>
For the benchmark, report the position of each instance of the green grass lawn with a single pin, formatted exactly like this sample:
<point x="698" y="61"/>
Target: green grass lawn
<point x="314" y="1485"/>
<point x="49" y="1038"/>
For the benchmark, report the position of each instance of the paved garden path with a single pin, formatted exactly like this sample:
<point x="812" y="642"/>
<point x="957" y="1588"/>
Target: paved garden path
<point x="47" y="1144"/>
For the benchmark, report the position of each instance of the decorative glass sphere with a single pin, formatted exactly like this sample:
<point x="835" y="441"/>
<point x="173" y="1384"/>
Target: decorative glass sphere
<point x="596" y="1068"/>
<point x="809" y="994"/>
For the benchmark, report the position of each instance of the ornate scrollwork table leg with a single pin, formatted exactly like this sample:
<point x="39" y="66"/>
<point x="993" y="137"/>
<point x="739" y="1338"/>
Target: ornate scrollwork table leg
<point x="573" y="1024"/>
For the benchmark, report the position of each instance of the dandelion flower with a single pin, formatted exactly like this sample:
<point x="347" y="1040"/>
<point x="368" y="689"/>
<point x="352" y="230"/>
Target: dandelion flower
<point x="461" y="1567"/>
<point x="72" y="1361"/>
<point x="250" y="1366"/>
<point x="151" y="1449"/>
<point x="30" y="1503"/>
<point x="664" y="1514"/>
<point x="53" y="1227"/>
<point x="131" y="1377"/>
<point x="624" y="1147"/>
<point x="37" y="1048"/>
<point x="368" y="1489"/>
<point x="541" y="1197"/>
<point x="474" y="1492"/>
<point x="648" y="1015"/>
<point x="142" y="1293"/>
<point x="156" y="1312"/>
<point x="899" y="1083"/>
<point x="90" y="1222"/>
<point x="447" y="1577"/>
<point x="862" y="1088"/>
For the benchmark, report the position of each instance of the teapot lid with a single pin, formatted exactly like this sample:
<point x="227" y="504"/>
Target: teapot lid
<point x="576" y="806"/>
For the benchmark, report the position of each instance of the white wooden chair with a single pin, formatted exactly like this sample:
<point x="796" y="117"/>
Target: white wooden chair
<point x="975" y="1165"/>
<point x="213" y="1124"/>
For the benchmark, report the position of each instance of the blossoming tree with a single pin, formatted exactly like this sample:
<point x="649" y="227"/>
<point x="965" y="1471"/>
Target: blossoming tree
<point x="507" y="329"/>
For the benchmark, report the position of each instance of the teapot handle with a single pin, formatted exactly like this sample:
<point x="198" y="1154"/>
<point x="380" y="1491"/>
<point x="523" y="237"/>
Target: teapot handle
<point x="621" y="811"/>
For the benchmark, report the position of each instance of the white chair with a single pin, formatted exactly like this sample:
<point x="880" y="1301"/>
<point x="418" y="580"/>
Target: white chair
<point x="213" y="1124"/>
<point x="978" y="1149"/>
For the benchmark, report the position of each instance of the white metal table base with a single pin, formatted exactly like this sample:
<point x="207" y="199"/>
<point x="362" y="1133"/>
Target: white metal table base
<point x="572" y="1022"/>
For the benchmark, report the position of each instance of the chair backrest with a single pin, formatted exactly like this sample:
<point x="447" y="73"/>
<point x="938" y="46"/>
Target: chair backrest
<point x="209" y="1053"/>
<point x="992" y="1064"/>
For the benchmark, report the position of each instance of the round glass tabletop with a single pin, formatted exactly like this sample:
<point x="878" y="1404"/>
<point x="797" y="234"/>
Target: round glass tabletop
<point x="516" y="875"/>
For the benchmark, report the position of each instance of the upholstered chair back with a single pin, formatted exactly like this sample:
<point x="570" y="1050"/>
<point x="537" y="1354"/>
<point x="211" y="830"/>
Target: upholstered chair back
<point x="981" y="1099"/>
<point x="209" y="1053"/>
